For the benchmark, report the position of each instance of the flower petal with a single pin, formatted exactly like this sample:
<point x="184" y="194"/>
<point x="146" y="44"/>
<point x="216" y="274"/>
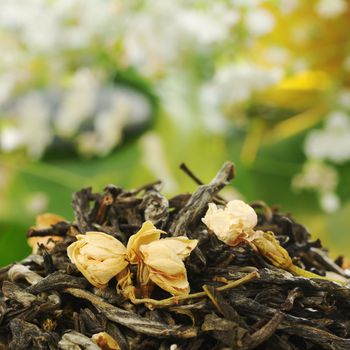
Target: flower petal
<point x="98" y="256"/>
<point x="231" y="224"/>
<point x="271" y="249"/>
<point x="125" y="285"/>
<point x="166" y="268"/>
<point x="181" y="246"/>
<point x="44" y="221"/>
<point x="147" y="234"/>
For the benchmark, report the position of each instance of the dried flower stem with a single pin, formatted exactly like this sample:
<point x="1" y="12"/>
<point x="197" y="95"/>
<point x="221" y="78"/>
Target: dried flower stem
<point x="304" y="273"/>
<point x="153" y="303"/>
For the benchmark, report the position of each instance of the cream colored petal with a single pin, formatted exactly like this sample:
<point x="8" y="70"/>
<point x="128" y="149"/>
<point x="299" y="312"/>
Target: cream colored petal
<point x="102" y="272"/>
<point x="125" y="285"/>
<point x="47" y="220"/>
<point x="271" y="249"/>
<point x="242" y="213"/>
<point x="174" y="284"/>
<point x="104" y="241"/>
<point x="147" y="234"/>
<point x="166" y="268"/>
<point x="181" y="246"/>
<point x="98" y="256"/>
<point x="159" y="256"/>
<point x="44" y="221"/>
<point x="49" y="242"/>
<point x="233" y="223"/>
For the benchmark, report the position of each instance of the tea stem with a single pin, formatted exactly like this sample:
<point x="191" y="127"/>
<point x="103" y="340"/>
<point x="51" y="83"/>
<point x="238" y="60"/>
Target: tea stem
<point x="177" y="299"/>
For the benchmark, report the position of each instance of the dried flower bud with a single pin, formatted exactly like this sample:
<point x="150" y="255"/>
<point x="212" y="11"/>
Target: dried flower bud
<point x="105" y="341"/>
<point x="147" y="234"/>
<point x="163" y="263"/>
<point x="159" y="260"/>
<point x="270" y="248"/>
<point x="233" y="223"/>
<point x="43" y="221"/>
<point x="98" y="256"/>
<point x="125" y="285"/>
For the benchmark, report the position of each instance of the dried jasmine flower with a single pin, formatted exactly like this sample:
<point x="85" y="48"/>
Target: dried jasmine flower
<point x="233" y="223"/>
<point x="98" y="256"/>
<point x="44" y="221"/>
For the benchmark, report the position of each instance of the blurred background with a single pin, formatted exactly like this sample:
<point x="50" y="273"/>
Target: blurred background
<point x="94" y="92"/>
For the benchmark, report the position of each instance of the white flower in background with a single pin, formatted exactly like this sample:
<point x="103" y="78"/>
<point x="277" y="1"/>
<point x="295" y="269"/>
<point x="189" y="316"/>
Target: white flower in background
<point x="246" y="3"/>
<point x="329" y="202"/>
<point x="152" y="40"/>
<point x="78" y="103"/>
<point x="154" y="159"/>
<point x="259" y="21"/>
<point x="316" y="176"/>
<point x="31" y="128"/>
<point x="10" y="138"/>
<point x="110" y="122"/>
<point x="7" y="84"/>
<point x="233" y="223"/>
<point x="163" y="32"/>
<point x="276" y="55"/>
<point x="288" y="6"/>
<point x="331" y="8"/>
<point x="344" y="98"/>
<point x="212" y="117"/>
<point x="333" y="142"/>
<point x="209" y="26"/>
<point x="175" y="93"/>
<point x="230" y="85"/>
<point x="37" y="203"/>
<point x="237" y="82"/>
<point x="120" y="107"/>
<point x="34" y="123"/>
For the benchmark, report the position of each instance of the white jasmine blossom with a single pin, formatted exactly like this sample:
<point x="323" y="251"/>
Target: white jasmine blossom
<point x="37" y="203"/>
<point x="79" y="102"/>
<point x="233" y="223"/>
<point x="344" y="98"/>
<point x="330" y="202"/>
<point x="331" y="8"/>
<point x="237" y="82"/>
<point x="259" y="21"/>
<point x="333" y="142"/>
<point x="288" y="6"/>
<point x="10" y="139"/>
<point x="316" y="176"/>
<point x="34" y="123"/>
<point x="99" y="257"/>
<point x="154" y="159"/>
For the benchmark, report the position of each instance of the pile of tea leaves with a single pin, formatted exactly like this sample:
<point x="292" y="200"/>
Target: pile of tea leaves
<point x="237" y="298"/>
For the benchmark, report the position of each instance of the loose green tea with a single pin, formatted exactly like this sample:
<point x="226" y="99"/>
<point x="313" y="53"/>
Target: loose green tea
<point x="136" y="270"/>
